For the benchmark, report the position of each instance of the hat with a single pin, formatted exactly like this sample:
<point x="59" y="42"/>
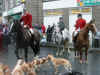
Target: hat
<point x="79" y="15"/>
<point x="61" y="18"/>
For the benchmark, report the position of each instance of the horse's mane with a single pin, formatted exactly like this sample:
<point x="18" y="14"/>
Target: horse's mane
<point x="88" y="24"/>
<point x="18" y="23"/>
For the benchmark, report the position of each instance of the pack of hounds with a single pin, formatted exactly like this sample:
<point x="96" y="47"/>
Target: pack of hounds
<point x="28" y="68"/>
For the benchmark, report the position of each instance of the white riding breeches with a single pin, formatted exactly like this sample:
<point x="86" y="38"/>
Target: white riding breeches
<point x="76" y="32"/>
<point x="31" y="30"/>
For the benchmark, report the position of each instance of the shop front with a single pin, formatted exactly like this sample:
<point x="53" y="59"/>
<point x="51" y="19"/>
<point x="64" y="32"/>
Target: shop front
<point x="52" y="17"/>
<point x="14" y="13"/>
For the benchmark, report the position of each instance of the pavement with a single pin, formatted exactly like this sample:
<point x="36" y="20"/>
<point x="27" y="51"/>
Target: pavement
<point x="8" y="57"/>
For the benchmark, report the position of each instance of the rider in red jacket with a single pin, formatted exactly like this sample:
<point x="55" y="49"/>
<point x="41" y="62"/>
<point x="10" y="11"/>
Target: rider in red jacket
<point x="80" y="23"/>
<point x="27" y="19"/>
<point x="43" y="28"/>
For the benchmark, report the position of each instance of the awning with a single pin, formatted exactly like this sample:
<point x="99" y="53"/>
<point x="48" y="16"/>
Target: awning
<point x="15" y="10"/>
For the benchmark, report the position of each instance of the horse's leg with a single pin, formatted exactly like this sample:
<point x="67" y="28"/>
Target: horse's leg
<point x="33" y="48"/>
<point x="75" y="52"/>
<point x="62" y="51"/>
<point x="57" y="53"/>
<point x="86" y="53"/>
<point x="38" y="47"/>
<point x="17" y="53"/>
<point x="26" y="54"/>
<point x="80" y="50"/>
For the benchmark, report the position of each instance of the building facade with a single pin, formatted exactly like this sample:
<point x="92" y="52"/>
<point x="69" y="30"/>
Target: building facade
<point x="66" y="9"/>
<point x="36" y="8"/>
<point x="1" y="5"/>
<point x="13" y="9"/>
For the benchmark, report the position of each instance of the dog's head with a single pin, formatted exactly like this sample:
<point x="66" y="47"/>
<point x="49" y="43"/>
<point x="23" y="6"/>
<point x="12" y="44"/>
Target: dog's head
<point x="43" y="60"/>
<point x="50" y="56"/>
<point x="7" y="70"/>
<point x="1" y="69"/>
<point x="36" y="62"/>
<point x="4" y="69"/>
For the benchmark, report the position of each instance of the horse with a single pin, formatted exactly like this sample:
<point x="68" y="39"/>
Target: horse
<point x="61" y="39"/>
<point x="82" y="39"/>
<point x="23" y="40"/>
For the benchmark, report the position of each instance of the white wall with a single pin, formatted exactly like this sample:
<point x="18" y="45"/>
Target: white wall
<point x="50" y="20"/>
<point x="59" y="4"/>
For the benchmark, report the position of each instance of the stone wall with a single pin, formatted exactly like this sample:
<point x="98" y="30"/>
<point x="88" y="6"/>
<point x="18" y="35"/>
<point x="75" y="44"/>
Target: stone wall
<point x="66" y="16"/>
<point x="35" y="8"/>
<point x="96" y="14"/>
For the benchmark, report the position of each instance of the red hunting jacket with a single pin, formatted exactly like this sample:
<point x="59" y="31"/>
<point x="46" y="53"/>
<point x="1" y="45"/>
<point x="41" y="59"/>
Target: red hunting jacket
<point x="43" y="28"/>
<point x="80" y="23"/>
<point x="27" y="19"/>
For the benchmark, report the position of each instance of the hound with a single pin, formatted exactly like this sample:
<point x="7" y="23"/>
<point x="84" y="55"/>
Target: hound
<point x="60" y="61"/>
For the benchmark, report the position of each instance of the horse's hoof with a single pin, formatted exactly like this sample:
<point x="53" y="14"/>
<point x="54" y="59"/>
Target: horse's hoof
<point x="61" y="54"/>
<point x="56" y="73"/>
<point x="81" y="61"/>
<point x="86" y="62"/>
<point x="56" y="54"/>
<point x="77" y="57"/>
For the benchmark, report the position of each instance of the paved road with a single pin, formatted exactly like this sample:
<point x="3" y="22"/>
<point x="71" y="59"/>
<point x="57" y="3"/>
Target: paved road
<point x="7" y="56"/>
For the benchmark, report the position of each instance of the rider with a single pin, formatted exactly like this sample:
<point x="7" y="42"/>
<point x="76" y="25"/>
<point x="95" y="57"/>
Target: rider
<point x="61" y="24"/>
<point x="80" y="23"/>
<point x="26" y="19"/>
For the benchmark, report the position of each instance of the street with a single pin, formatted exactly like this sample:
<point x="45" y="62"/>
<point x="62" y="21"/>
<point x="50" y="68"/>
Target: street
<point x="8" y="57"/>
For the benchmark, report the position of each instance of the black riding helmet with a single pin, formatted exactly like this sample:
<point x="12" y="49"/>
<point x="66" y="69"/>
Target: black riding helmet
<point x="61" y="18"/>
<point x="79" y="15"/>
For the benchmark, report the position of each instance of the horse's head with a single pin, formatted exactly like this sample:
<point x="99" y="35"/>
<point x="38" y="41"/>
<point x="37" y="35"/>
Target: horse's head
<point x="91" y="26"/>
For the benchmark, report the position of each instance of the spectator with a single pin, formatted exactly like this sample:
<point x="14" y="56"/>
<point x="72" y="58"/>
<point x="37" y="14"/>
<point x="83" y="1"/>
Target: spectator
<point x="5" y="29"/>
<point x="1" y="35"/>
<point x="48" y="33"/>
<point x="43" y="28"/>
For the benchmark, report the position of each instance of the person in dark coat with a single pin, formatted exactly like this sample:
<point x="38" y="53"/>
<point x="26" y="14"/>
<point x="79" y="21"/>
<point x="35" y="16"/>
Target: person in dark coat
<point x="1" y="35"/>
<point x="61" y="24"/>
<point x="48" y="33"/>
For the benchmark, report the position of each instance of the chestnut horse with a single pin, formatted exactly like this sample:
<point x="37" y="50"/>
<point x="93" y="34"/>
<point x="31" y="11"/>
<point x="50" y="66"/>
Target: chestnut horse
<point x="82" y="39"/>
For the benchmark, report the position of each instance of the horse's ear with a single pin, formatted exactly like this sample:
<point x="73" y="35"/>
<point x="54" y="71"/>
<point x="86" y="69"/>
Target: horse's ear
<point x="92" y="21"/>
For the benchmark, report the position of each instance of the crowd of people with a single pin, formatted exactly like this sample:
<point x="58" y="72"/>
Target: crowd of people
<point x="4" y="39"/>
<point x="26" y="21"/>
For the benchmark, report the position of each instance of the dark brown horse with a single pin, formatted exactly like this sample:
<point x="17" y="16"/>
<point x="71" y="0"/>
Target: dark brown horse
<point x="82" y="39"/>
<point x="23" y="40"/>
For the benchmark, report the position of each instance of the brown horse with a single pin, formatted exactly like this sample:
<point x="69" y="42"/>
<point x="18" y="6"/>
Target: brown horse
<point x="82" y="39"/>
